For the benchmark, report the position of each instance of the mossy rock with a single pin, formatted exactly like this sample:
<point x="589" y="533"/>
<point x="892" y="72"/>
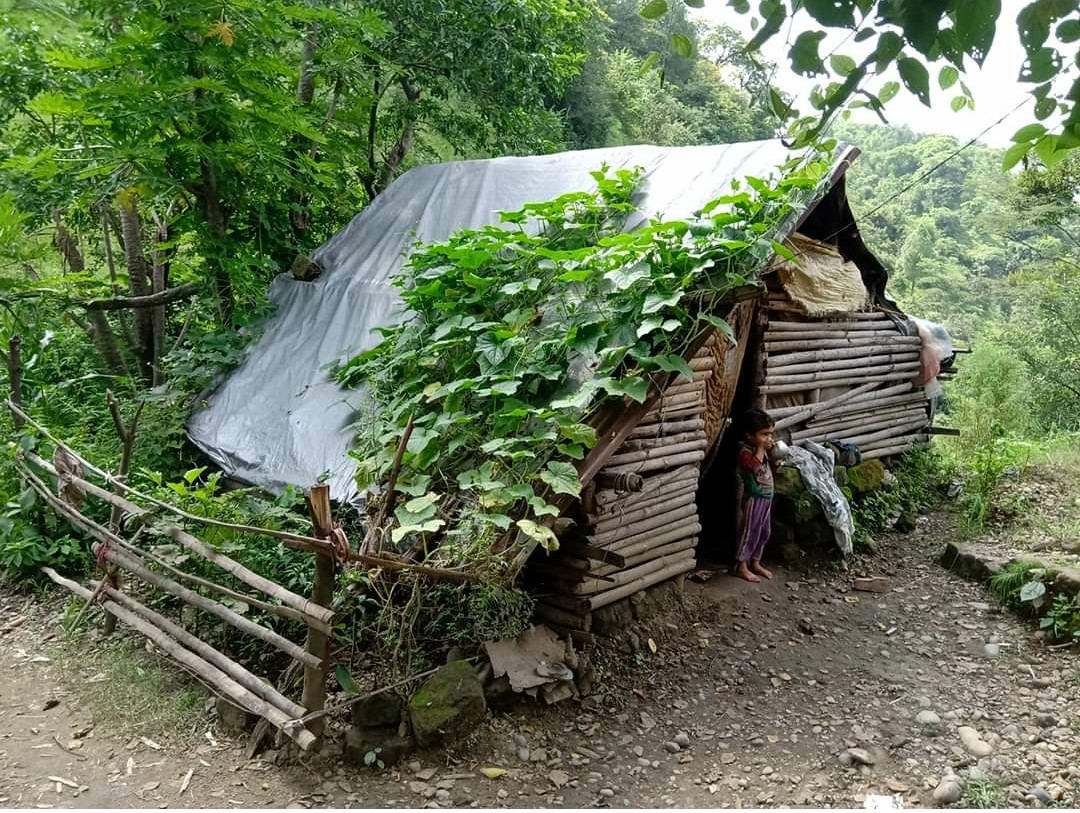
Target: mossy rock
<point x="788" y="482"/>
<point x="866" y="477"/>
<point x="448" y="706"/>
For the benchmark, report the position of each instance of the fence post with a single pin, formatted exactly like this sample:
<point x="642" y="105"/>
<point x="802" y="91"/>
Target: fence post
<point x="14" y="365"/>
<point x="318" y="643"/>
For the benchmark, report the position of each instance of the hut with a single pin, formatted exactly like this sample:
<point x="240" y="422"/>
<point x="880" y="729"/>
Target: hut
<point x="820" y="346"/>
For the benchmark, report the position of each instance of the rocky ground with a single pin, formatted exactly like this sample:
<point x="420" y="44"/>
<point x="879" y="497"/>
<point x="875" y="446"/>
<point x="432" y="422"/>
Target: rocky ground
<point x="799" y="692"/>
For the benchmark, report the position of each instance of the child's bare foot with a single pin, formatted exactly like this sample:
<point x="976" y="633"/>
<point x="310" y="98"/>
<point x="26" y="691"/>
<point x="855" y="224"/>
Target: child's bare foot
<point x="761" y="571"/>
<point x="743" y="572"/>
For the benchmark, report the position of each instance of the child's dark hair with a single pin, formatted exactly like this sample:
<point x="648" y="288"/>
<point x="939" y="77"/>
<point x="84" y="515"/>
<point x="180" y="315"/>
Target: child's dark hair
<point x="754" y="420"/>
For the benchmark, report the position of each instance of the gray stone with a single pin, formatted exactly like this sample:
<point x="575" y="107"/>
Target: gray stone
<point x="682" y="739"/>
<point x="856" y="756"/>
<point x="672" y="747"/>
<point x="948" y="791"/>
<point x="1046" y="719"/>
<point x="448" y="706"/>
<point x="1040" y="794"/>
<point x="233" y="718"/>
<point x="499" y="695"/>
<point x="992" y="650"/>
<point x="974" y="743"/>
<point x="928" y="722"/>
<point x="380" y="711"/>
<point x="386" y="747"/>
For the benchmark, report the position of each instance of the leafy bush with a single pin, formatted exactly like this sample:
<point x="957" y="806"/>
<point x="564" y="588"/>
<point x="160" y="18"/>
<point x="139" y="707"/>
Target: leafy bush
<point x="916" y="478"/>
<point x="1062" y="619"/>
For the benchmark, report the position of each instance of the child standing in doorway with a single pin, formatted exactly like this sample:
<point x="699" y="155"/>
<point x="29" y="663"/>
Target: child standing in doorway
<point x="754" y="491"/>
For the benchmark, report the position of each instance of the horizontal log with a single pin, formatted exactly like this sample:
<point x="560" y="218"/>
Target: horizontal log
<point x="702" y="363"/>
<point x="703" y="375"/>
<point x="825" y="376"/>
<point x="873" y="412"/>
<point x="557" y="615"/>
<point x="898" y="430"/>
<point x="667" y="429"/>
<point x="637" y="502"/>
<point x="944" y="430"/>
<point x="816" y="331"/>
<point x="624" y="519"/>
<point x="863" y="422"/>
<point x="779" y="389"/>
<point x="611" y="596"/>
<point x="648" y="524"/>
<point x="652" y="552"/>
<point x="215" y="608"/>
<point x="696" y="388"/>
<point x="681" y="529"/>
<point x="661" y="450"/>
<point x="619" y="481"/>
<point x="864" y="324"/>
<point x="783" y="359"/>
<point x="672" y="413"/>
<point x="911" y="397"/>
<point x="886" y="442"/>
<point x="789" y="416"/>
<point x="586" y="551"/>
<point x="883" y="357"/>
<point x="894" y="340"/>
<point x="590" y="586"/>
<point x="652" y="485"/>
<point x="563" y="569"/>
<point x="206" y="671"/>
<point x="661" y="463"/>
<point x="681" y="400"/>
<point x="207" y="652"/>
<point x="564" y="601"/>
<point x="662" y="442"/>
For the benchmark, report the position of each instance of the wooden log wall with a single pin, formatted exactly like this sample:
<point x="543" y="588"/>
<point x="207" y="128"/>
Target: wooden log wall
<point x="865" y="364"/>
<point x="639" y="523"/>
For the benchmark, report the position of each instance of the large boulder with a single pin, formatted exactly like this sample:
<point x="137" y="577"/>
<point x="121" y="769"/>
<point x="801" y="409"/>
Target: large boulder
<point x="866" y="477"/>
<point x="378" y="711"/>
<point x="448" y="706"/>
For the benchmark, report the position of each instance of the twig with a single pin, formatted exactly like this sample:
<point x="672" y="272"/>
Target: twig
<point x="147" y="301"/>
<point x="388" y="502"/>
<point x="67" y="750"/>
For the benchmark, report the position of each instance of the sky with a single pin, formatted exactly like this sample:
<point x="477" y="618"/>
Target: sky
<point x="995" y="86"/>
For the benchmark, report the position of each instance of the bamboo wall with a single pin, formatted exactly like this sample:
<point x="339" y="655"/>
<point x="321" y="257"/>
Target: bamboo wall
<point x="846" y="379"/>
<point x="638" y="521"/>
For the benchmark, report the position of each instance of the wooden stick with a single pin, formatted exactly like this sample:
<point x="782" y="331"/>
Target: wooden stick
<point x="864" y="423"/>
<point x="685" y="399"/>
<point x="652" y="485"/>
<point x="865" y="324"/>
<point x="674" y="413"/>
<point x="662" y="442"/>
<point x="13" y="360"/>
<point x="667" y="429"/>
<point x="571" y="604"/>
<point x="817" y="331"/>
<point x="889" y="451"/>
<point x="590" y="586"/>
<point x="371" y="538"/>
<point x="627" y="519"/>
<point x="586" y="551"/>
<point x="627" y="530"/>
<point x="207" y="652"/>
<point x="815" y="344"/>
<point x="653" y="452"/>
<point x="209" y="605"/>
<point x="610" y="596"/>
<point x="886" y="442"/>
<point x="854" y="370"/>
<point x="206" y="671"/>
<point x="299" y="603"/>
<point x="637" y="502"/>
<point x="148" y="301"/>
<point x="622" y="481"/>
<point x="777" y="389"/>
<point x="792" y="415"/>
<point x="322" y="593"/>
<point x="805" y="356"/>
<point x="883" y="357"/>
<point x="683" y="387"/>
<point x="872" y="413"/>
<point x="660" y="463"/>
<point x="912" y="396"/>
<point x="702" y="363"/>
<point x="653" y="552"/>
<point x="688" y="526"/>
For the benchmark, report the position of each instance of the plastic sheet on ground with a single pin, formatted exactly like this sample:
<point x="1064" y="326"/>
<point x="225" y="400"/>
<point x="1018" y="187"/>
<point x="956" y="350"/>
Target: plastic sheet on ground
<point x="280" y="419"/>
<point x="815" y="463"/>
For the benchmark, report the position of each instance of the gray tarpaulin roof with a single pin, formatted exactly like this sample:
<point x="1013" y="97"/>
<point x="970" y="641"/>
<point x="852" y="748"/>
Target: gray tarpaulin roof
<point x="279" y="418"/>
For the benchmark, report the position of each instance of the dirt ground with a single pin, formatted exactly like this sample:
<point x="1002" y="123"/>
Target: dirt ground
<point x="799" y="692"/>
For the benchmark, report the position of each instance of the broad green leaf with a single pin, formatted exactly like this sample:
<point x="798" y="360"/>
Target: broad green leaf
<point x="539" y="533"/>
<point x="958" y="103"/>
<point x="345" y="680"/>
<point x="889" y="46"/>
<point x="681" y="45"/>
<point x="657" y="301"/>
<point x="561" y="477"/>
<point x="1032" y="590"/>
<point x="634" y="387"/>
<point x="842" y="64"/>
<point x="1029" y="132"/>
<point x="623" y="278"/>
<point x="542" y="508"/>
<point x="1014" y="155"/>
<point x="888" y="91"/>
<point x="1045" y="108"/>
<point x="783" y="251"/>
<point x="915" y="77"/>
<point x="695" y="3"/>
<point x="1068" y="31"/>
<point x="672" y="363"/>
<point x="804" y="55"/>
<point x="654" y="9"/>
<point x="579" y="433"/>
<point x="722" y="326"/>
<point x="947" y="77"/>
<point x="402" y="531"/>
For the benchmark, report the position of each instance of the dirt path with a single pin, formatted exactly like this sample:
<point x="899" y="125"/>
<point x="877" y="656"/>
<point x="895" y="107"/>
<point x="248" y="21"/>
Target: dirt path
<point x="770" y="696"/>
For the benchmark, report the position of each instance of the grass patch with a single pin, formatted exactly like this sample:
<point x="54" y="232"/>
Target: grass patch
<point x="121" y="683"/>
<point x="983" y="794"/>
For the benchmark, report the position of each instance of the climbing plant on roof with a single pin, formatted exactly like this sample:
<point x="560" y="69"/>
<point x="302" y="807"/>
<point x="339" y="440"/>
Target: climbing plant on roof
<point x="516" y="335"/>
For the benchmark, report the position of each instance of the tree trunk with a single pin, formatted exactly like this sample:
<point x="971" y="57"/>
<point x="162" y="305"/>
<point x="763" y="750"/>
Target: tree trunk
<point x="139" y="280"/>
<point x="209" y="198"/>
<point x="405" y="139"/>
<point x="158" y="284"/>
<point x="68" y="247"/>
<point x="305" y="86"/>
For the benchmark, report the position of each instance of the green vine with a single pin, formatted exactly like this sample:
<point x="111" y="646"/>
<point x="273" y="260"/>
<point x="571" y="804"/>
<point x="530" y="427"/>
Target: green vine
<point x="519" y="332"/>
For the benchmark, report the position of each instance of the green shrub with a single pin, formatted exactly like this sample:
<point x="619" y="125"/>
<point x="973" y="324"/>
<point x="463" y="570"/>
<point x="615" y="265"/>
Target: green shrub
<point x="916" y="478"/>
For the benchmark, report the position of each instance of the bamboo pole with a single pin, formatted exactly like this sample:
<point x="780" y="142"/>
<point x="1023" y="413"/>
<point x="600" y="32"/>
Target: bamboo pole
<point x="219" y="680"/>
<point x="702" y="364"/>
<point x="854" y="370"/>
<point x="305" y="609"/>
<point x="889" y="451"/>
<point x="875" y="357"/>
<point x="584" y="551"/>
<point x="636" y="502"/>
<point x="688" y="526"/>
<point x="815" y="344"/>
<point x="670" y="414"/>
<point x="648" y="554"/>
<point x="777" y="389"/>
<point x="777" y="359"/>
<point x="590" y="586"/>
<point x="610" y="596"/>
<point x="623" y="482"/>
<point x="627" y="530"/>
<point x="660" y="463"/>
<point x="872" y="412"/>
<point x="208" y="653"/>
<point x="913" y="396"/>
<point x="207" y="604"/>
<point x="568" y="619"/>
<point x="651" y="485"/>
<point x="660" y="450"/>
<point x="864" y="422"/>
<point x="662" y="442"/>
<point x="667" y="429"/>
<point x="885" y="434"/>
<point x="789" y="416"/>
<point x="684" y="399"/>
<point x="863" y="324"/>
<point x="617" y="520"/>
<point x="564" y="601"/>
<point x="317" y="645"/>
<point x="887" y="442"/>
<point x="816" y="331"/>
<point x="694" y="387"/>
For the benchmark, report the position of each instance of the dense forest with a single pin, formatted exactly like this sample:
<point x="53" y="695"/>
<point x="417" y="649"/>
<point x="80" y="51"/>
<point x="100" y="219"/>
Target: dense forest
<point x="176" y="152"/>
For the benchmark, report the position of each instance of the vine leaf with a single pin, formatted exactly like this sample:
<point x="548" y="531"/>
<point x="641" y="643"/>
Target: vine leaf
<point x="540" y="533"/>
<point x="561" y="477"/>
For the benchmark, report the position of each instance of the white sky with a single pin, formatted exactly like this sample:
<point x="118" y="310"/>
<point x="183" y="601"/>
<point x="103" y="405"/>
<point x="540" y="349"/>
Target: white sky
<point x="995" y="87"/>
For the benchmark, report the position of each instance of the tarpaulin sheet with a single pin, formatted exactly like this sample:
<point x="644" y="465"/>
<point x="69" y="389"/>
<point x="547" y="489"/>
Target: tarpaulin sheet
<point x="279" y="419"/>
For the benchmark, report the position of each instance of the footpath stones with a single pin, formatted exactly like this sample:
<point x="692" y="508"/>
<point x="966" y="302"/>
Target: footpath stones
<point x="949" y="790"/>
<point x="973" y="742"/>
<point x="928" y="723"/>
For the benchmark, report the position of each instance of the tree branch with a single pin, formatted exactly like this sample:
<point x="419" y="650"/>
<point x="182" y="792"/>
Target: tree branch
<point x="148" y="301"/>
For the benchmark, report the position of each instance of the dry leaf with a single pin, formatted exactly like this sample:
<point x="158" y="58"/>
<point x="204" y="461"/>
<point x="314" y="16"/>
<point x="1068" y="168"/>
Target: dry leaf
<point x="186" y="781"/>
<point x="652" y="646"/>
<point x="494" y="773"/>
